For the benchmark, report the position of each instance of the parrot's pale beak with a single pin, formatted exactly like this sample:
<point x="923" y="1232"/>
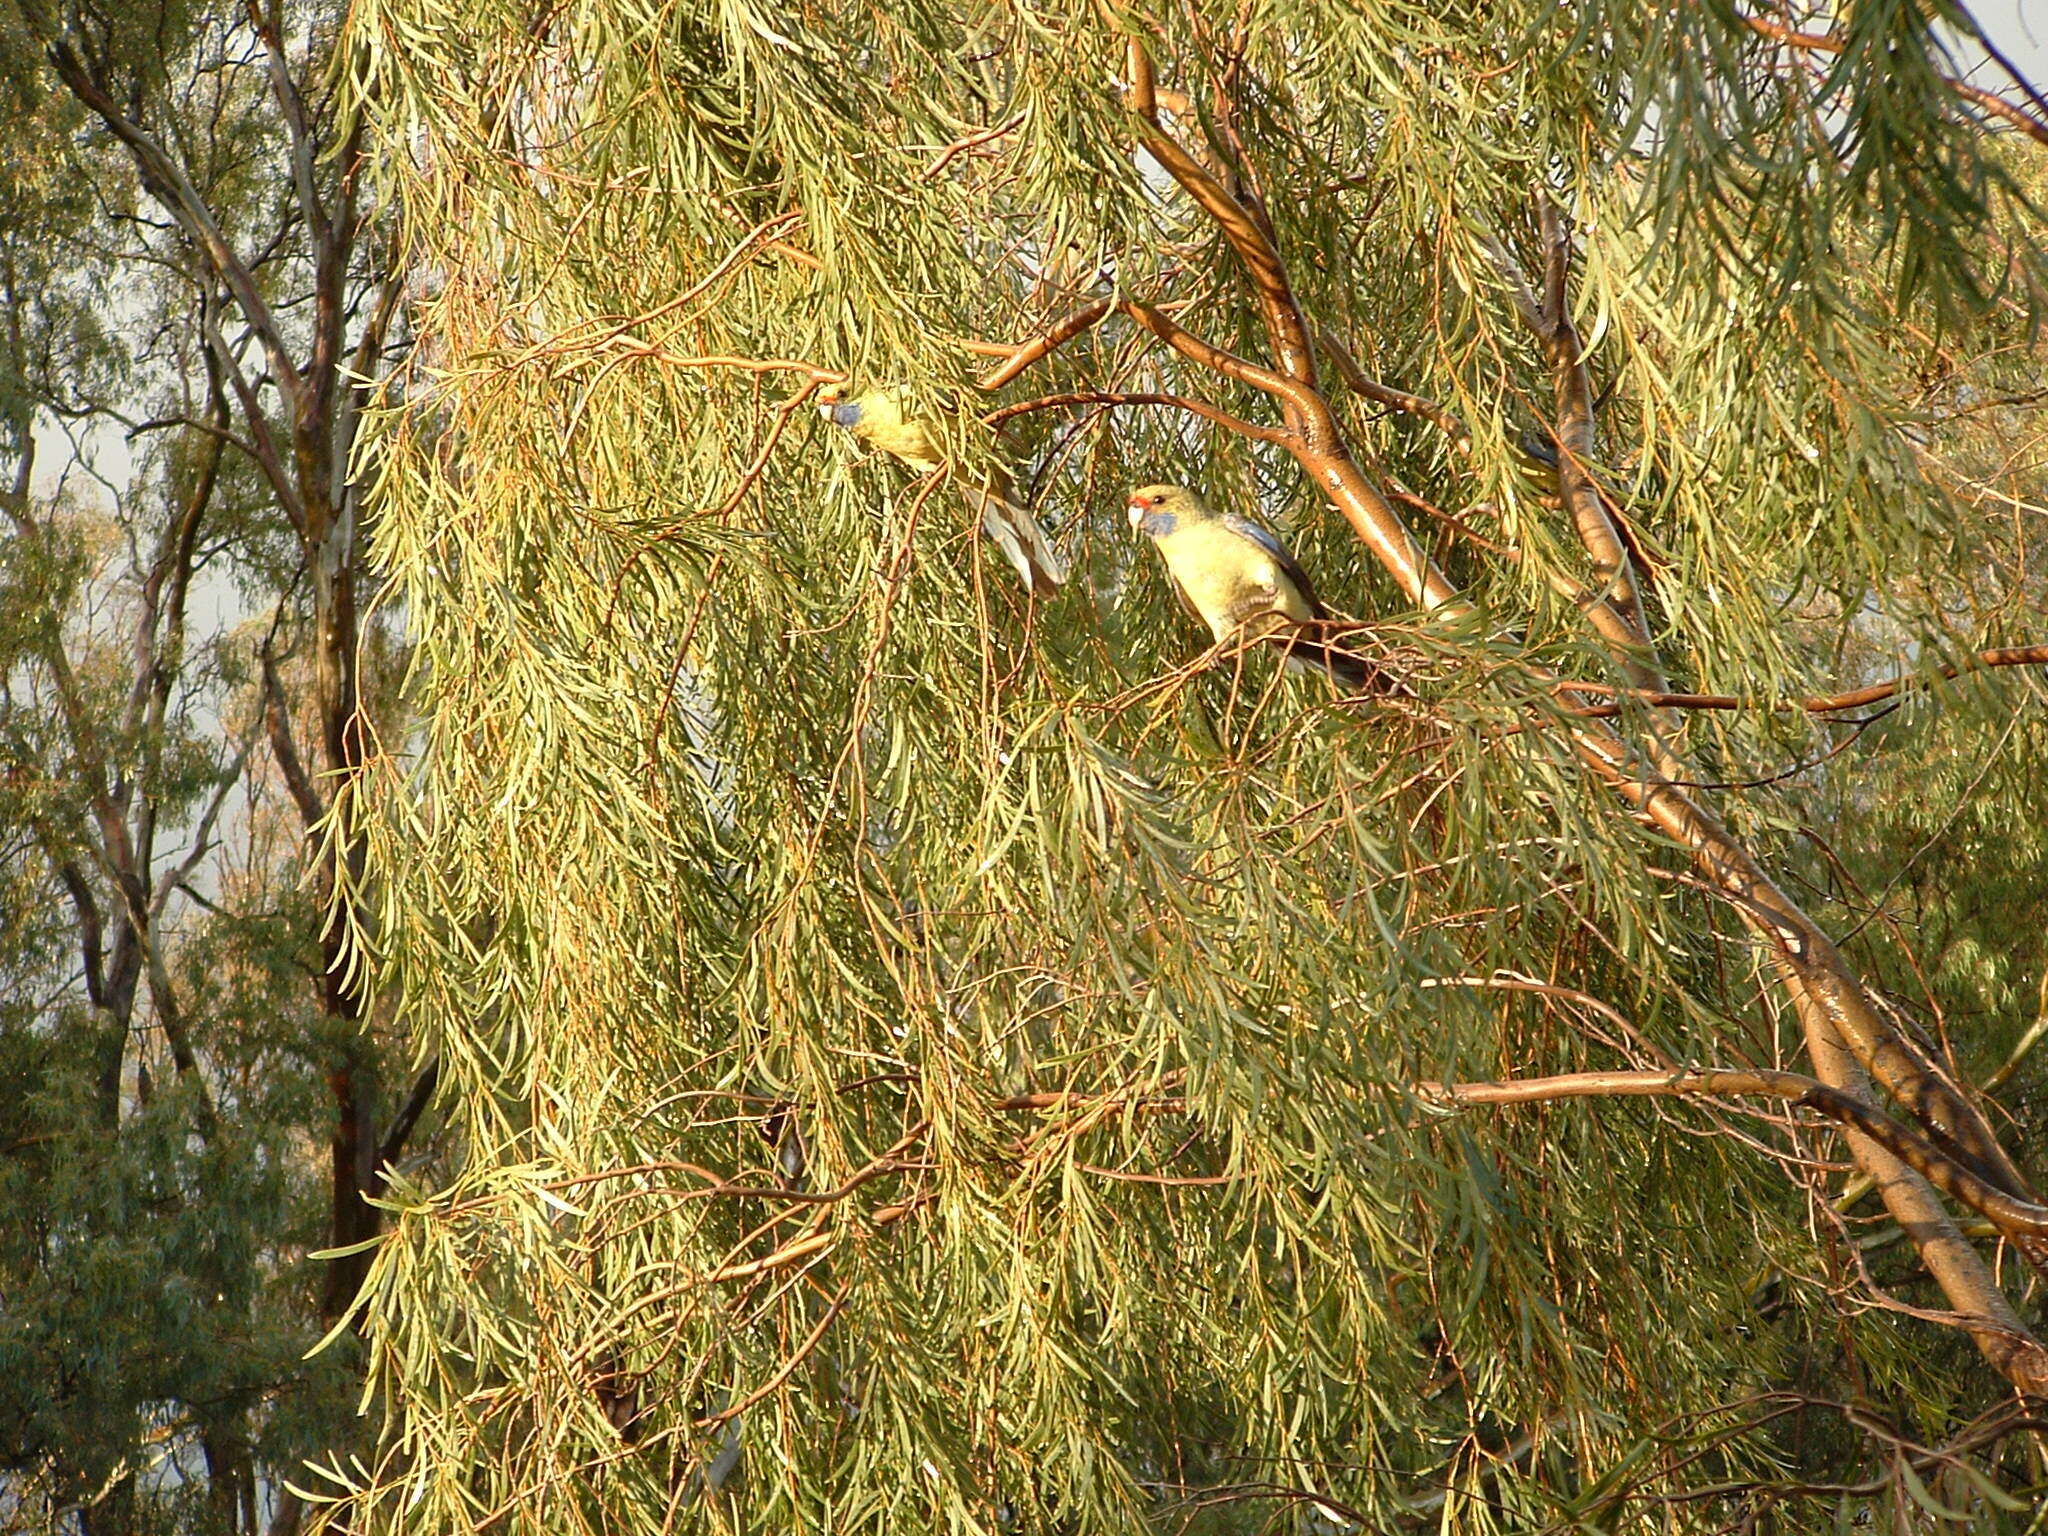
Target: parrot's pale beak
<point x="1135" y="509"/>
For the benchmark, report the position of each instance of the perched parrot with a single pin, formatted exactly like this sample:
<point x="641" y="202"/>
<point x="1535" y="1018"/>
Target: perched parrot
<point x="1235" y="576"/>
<point x="876" y="418"/>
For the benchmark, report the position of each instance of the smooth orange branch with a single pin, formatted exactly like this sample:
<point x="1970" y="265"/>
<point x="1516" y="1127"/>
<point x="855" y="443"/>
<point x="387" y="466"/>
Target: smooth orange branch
<point x="2011" y="1215"/>
<point x="1859" y="698"/>
<point x="1816" y="42"/>
<point x="1458" y="525"/>
<point x="2005" y="656"/>
<point x="1210" y="356"/>
<point x="1318" y="443"/>
<point x="1285" y="323"/>
<point x="1843" y="1013"/>
<point x="1834" y="1008"/>
<point x="1021" y="357"/>
<point x="1200" y="408"/>
<point x="1615" y="604"/>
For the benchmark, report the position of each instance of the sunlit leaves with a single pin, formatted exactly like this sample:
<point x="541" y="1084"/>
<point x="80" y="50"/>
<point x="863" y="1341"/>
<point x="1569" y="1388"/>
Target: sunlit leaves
<point x="951" y="1029"/>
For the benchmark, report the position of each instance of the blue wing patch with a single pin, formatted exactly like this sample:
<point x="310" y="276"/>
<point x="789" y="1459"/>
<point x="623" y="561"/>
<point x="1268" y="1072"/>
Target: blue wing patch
<point x="1244" y="527"/>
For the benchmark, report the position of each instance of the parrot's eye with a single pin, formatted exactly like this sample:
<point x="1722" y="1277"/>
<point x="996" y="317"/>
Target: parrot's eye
<point x="1158" y="500"/>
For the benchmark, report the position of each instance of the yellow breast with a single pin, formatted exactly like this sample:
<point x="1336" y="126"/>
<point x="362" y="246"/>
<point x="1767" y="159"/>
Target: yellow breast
<point x="1229" y="579"/>
<point x="905" y="440"/>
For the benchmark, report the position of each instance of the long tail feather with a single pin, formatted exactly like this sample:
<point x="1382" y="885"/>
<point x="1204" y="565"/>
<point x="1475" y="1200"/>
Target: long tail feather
<point x="1023" y="543"/>
<point x="1347" y="669"/>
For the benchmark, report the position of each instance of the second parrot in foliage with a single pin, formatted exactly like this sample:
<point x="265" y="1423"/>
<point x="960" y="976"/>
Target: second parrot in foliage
<point x="1236" y="577"/>
<point x="876" y="417"/>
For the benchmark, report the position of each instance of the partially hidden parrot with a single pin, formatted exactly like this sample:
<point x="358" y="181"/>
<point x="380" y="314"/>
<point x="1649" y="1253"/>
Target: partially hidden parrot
<point x="876" y="417"/>
<point x="1237" y="578"/>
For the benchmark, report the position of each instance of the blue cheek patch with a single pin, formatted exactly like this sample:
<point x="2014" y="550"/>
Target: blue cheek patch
<point x="846" y="414"/>
<point x="1158" y="525"/>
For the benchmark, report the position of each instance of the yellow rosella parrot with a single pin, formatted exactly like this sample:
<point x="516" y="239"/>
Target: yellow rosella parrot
<point x="1237" y="578"/>
<point x="876" y="417"/>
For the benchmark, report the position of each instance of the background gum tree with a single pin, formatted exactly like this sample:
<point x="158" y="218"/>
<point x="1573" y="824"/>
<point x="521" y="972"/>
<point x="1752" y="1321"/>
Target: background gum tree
<point x="929" y="1059"/>
<point x="189" y="1084"/>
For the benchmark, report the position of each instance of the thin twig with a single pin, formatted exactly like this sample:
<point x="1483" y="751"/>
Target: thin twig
<point x="2033" y="127"/>
<point x="1200" y="408"/>
<point x="1824" y="704"/>
<point x="2013" y="1216"/>
<point x="1057" y="335"/>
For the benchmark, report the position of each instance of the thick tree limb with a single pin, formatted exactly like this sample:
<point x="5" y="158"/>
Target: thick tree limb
<point x="278" y="721"/>
<point x="1809" y="960"/>
<point x="1968" y="1283"/>
<point x="299" y="128"/>
<point x="1317" y="442"/>
<point x="1842" y="1024"/>
<point x="262" y="441"/>
<point x="91" y="931"/>
<point x="1612" y="603"/>
<point x="1293" y="344"/>
<point x="408" y="1117"/>
<point x="1578" y="447"/>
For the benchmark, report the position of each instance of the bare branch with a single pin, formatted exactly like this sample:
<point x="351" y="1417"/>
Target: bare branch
<point x="2012" y="1216"/>
<point x="1057" y="335"/>
<point x="1200" y="408"/>
<point x="402" y="1124"/>
<point x="202" y="834"/>
<point x="167" y="180"/>
<point x="292" y="107"/>
<point x="262" y="444"/>
<point x="1285" y="323"/>
<point x="278" y="720"/>
<point x="91" y="932"/>
<point x="787" y="1368"/>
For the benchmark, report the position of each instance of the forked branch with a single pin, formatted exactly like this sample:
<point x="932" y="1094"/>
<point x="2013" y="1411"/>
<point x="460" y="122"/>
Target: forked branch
<point x="1292" y="342"/>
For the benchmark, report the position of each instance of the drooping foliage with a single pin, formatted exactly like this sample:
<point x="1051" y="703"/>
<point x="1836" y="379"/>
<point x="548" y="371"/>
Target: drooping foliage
<point x="930" y="1059"/>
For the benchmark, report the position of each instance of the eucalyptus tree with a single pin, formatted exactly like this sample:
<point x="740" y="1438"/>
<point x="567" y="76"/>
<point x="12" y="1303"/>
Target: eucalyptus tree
<point x="931" y="1056"/>
<point x="194" y="290"/>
